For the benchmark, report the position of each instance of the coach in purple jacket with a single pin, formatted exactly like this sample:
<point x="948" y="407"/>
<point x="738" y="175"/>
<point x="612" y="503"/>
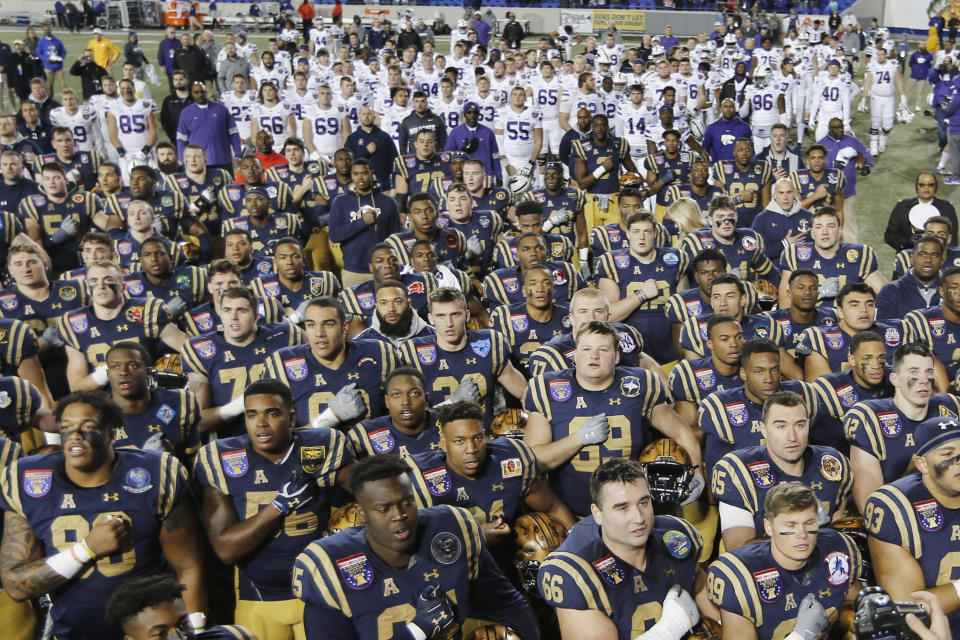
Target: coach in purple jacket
<point x="209" y="125"/>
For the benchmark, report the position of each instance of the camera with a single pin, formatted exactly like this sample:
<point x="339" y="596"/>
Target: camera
<point x="878" y="617"/>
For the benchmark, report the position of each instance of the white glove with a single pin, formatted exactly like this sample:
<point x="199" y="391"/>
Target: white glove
<point x="677" y="618"/>
<point x="844" y="156"/>
<point x="474" y="248"/>
<point x="555" y="220"/>
<point x="811" y="619"/>
<point x="467" y="391"/>
<point x="176" y="307"/>
<point x="99" y="375"/>
<point x="293" y="318"/>
<point x="154" y="443"/>
<point x="594" y="430"/>
<point x="585" y="271"/>
<point x="696" y="488"/>
<point x="232" y="409"/>
<point x="157" y="226"/>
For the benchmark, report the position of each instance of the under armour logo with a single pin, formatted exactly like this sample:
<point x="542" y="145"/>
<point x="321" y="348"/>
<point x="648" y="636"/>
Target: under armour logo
<point x="353" y="376"/>
<point x="111" y="497"/>
<point x="433" y="573"/>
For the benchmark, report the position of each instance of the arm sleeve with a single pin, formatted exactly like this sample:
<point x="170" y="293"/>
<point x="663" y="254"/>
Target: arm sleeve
<point x="493" y="597"/>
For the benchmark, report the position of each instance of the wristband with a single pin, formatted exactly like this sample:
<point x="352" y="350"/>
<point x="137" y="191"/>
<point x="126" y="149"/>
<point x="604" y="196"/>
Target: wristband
<point x="326" y="419"/>
<point x="598" y="172"/>
<point x="956" y="586"/>
<point x="416" y="632"/>
<point x="69" y="562"/>
<point x="641" y="295"/>
<point x="232" y="409"/>
<point x="584" y="254"/>
<point x="99" y="375"/>
<point x="737" y="199"/>
<point x="198" y="620"/>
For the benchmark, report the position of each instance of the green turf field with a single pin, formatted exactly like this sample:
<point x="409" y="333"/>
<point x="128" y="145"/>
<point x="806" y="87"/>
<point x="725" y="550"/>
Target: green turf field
<point x="910" y="149"/>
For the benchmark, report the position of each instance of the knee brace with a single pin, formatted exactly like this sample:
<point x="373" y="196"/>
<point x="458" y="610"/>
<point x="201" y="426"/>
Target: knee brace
<point x="874" y="131"/>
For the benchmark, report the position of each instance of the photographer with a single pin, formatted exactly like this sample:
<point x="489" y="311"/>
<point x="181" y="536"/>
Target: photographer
<point x="939" y="625"/>
<point x="90" y="73"/>
<point x="943" y="77"/>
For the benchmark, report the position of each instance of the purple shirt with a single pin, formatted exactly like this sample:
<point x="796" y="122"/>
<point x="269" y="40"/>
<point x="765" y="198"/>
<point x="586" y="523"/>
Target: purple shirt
<point x="849" y="170"/>
<point x="720" y="136"/>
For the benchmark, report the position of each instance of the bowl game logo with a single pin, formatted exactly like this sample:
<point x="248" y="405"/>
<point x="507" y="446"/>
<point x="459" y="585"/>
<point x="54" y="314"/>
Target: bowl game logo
<point x="356" y="571"/>
<point x="769" y="584"/>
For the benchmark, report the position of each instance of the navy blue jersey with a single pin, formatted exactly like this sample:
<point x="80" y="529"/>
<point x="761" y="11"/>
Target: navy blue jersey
<point x="743" y="477"/>
<point x="169" y="207"/>
<point x="450" y="245"/>
<point x="19" y="401"/>
<point x="278" y="225"/>
<point x="87" y="163"/>
<point x="584" y="575"/>
<point x="558" y="248"/>
<point x="493" y="200"/>
<point x="731" y="420"/>
<point x="173" y="412"/>
<point x="505" y="478"/>
<point x="833" y="343"/>
<point x="879" y="428"/>
<point x="736" y="181"/>
<point x="378" y="435"/>
<point x="65" y="295"/>
<point x="745" y="256"/>
<point x="10" y="227"/>
<point x="367" y="364"/>
<point x="418" y="173"/>
<point x="17" y="343"/>
<point x="482" y="359"/>
<point x="676" y="191"/>
<point x="525" y="334"/>
<point x="145" y="487"/>
<point x="140" y="320"/>
<point x="345" y="584"/>
<point x="569" y="199"/>
<point x="680" y="166"/>
<point x="505" y="286"/>
<point x="49" y="215"/>
<point x="899" y="297"/>
<point x="852" y="262"/>
<point x="836" y="393"/>
<point x="628" y="402"/>
<point x="931" y="327"/>
<point x="774" y="227"/>
<point x="904" y="513"/>
<point x="360" y="300"/>
<point x="187" y="282"/>
<point x="693" y="380"/>
<point x="232" y="467"/>
<point x="128" y="250"/>
<point x="903" y="261"/>
<point x="606" y="238"/>
<point x="279" y="194"/>
<point x="204" y="319"/>
<point x="693" y="333"/>
<point x="216" y="179"/>
<point x="687" y="304"/>
<point x="557" y="353"/>
<point x="260" y="265"/>
<point x="485" y="225"/>
<point x="748" y="582"/>
<point x="792" y="330"/>
<point x="229" y="368"/>
<point x="629" y="274"/>
<point x="313" y="285"/>
<point x="805" y="184"/>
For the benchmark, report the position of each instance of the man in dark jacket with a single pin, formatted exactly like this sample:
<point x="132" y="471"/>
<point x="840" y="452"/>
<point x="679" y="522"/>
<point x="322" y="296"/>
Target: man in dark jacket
<point x="904" y="227"/>
<point x="191" y="59"/>
<point x="21" y="68"/>
<point x="90" y="73"/>
<point x="175" y="103"/>
<point x="409" y="38"/>
<point x="168" y="47"/>
<point x="512" y="31"/>
<point x="421" y="118"/>
<point x="373" y="143"/>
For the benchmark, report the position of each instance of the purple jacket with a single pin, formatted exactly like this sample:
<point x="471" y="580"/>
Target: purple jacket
<point x="720" y="136"/>
<point x="483" y="31"/>
<point x="165" y="54"/>
<point x="485" y="149"/>
<point x="849" y="170"/>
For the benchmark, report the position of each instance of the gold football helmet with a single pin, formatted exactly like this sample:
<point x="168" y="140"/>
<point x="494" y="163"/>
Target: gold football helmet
<point x="535" y="535"/>
<point x="510" y="423"/>
<point x="668" y="469"/>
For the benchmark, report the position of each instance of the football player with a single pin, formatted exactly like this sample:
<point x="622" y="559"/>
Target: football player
<point x="360" y="300"/>
<point x="132" y="125"/>
<point x="817" y="185"/>
<point x="357" y="580"/>
<point x="802" y="311"/>
<point x="179" y="288"/>
<point x="394" y="320"/>
<point x="882" y="432"/>
<point x="264" y="224"/>
<point x="746" y="179"/>
<point x="882" y="81"/>
<point x="33" y="298"/>
<point x="82" y="121"/>
<point x="325" y="126"/>
<point x="741" y="479"/>
<point x="98" y="512"/>
<point x="597" y="162"/>
<point x="290" y="283"/>
<point x="266" y="494"/>
<point x="504" y="286"/>
<point x="449" y="244"/>
<point x="413" y="173"/>
<point x="938" y="326"/>
<point x="603" y="580"/>
<point x="520" y="134"/>
<point x="582" y="416"/>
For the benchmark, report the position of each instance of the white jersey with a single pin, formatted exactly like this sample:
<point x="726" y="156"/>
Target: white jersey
<point x="762" y="104"/>
<point x="490" y="105"/>
<point x="615" y="54"/>
<point x="428" y="82"/>
<point x="656" y="84"/>
<point x="573" y="102"/>
<point x="85" y="125"/>
<point x="273" y="120"/>
<point x="727" y="61"/>
<point x="786" y="85"/>
<point x="132" y="123"/>
<point x="351" y="107"/>
<point x="276" y="76"/>
<point x="546" y="97"/>
<point x="502" y="88"/>
<point x="299" y="103"/>
<point x="771" y="58"/>
<point x="246" y="50"/>
<point x="884" y="78"/>
<point x="320" y="39"/>
<point x="692" y="89"/>
<point x="240" y="108"/>
<point x="101" y="104"/>
<point x="391" y="117"/>
<point x="832" y="96"/>
<point x="518" y="130"/>
<point x="451" y="112"/>
<point x="633" y="124"/>
<point x="569" y="83"/>
<point x="327" y="127"/>
<point x="610" y="102"/>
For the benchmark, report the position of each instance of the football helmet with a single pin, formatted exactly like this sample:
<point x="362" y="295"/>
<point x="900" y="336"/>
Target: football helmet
<point x="706" y="629"/>
<point x="658" y="51"/>
<point x="695" y="123"/>
<point x="856" y="528"/>
<point x="762" y="76"/>
<point x="535" y="535"/>
<point x="904" y="114"/>
<point x="493" y="632"/>
<point x="510" y="423"/>
<point x="345" y="517"/>
<point x="518" y="184"/>
<point x="668" y="469"/>
<point x="730" y="41"/>
<point x="630" y="179"/>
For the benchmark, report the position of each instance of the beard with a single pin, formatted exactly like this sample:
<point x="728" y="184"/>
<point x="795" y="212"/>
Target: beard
<point x="398" y="329"/>
<point x="171" y="166"/>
